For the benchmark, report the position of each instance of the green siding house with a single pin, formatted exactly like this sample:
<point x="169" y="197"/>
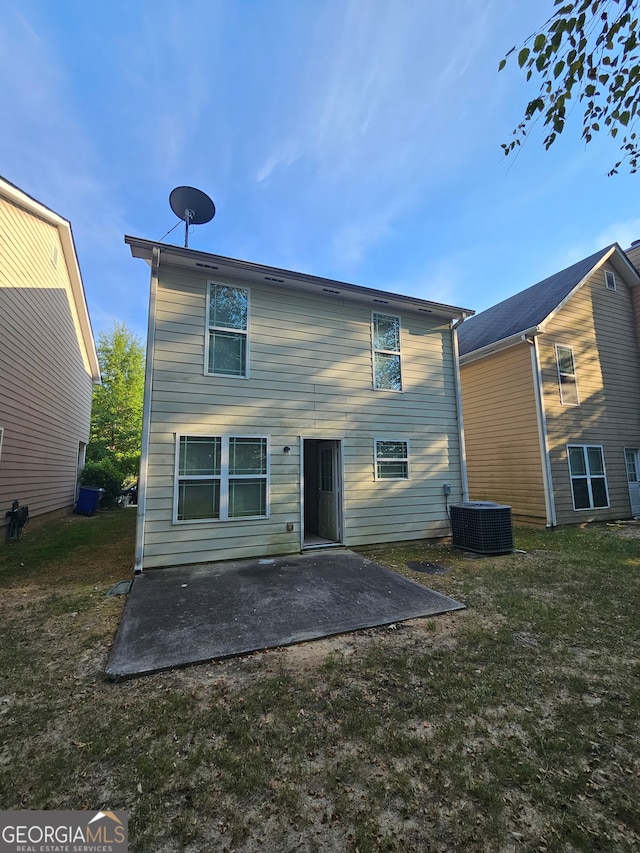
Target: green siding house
<point x="284" y="412"/>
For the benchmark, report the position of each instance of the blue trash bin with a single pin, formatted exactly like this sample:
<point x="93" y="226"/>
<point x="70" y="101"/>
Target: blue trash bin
<point x="88" y="500"/>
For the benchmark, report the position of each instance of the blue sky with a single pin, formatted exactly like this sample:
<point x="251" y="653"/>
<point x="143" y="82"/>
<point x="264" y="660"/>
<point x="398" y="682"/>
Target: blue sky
<point x="353" y="139"/>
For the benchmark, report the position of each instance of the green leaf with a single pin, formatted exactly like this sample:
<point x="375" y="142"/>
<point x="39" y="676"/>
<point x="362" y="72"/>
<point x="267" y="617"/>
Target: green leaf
<point x="523" y="56"/>
<point x="503" y="62"/>
<point x="539" y="42"/>
<point x="557" y="71"/>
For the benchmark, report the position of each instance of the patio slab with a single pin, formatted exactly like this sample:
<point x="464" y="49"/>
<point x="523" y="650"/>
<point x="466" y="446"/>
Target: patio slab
<point x="192" y="614"/>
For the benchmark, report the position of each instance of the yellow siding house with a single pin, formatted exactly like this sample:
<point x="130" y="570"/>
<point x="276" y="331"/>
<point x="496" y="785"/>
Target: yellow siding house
<point x="550" y="384"/>
<point x="48" y="360"/>
<point x="285" y="412"/>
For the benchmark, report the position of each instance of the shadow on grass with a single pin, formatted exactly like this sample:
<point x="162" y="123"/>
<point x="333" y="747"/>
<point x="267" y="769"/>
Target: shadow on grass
<point x="512" y="725"/>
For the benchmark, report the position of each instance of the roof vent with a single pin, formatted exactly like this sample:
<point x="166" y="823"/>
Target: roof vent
<point x="635" y="243"/>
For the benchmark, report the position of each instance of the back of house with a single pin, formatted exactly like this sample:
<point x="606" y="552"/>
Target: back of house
<point x="550" y="382"/>
<point x="286" y="411"/>
<point x="48" y="360"/>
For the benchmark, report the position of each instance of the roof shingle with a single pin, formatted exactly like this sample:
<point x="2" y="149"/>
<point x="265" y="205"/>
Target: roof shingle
<point x="524" y="310"/>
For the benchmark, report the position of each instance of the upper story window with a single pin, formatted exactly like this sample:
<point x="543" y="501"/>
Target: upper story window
<point x="610" y="280"/>
<point x="567" y="375"/>
<point x="227" y="322"/>
<point x="392" y="460"/>
<point x="387" y="373"/>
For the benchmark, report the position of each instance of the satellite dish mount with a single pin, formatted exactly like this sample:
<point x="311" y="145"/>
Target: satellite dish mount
<point x="192" y="206"/>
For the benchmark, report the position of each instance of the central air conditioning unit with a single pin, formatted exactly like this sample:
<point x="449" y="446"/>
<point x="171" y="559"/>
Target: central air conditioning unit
<point x="482" y="526"/>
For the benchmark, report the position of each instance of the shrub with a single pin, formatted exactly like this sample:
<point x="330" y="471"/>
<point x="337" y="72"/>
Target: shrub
<point x="105" y="474"/>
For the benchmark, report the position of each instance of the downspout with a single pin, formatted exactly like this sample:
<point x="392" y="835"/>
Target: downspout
<point x="547" y="477"/>
<point x="456" y="380"/>
<point x="146" y="412"/>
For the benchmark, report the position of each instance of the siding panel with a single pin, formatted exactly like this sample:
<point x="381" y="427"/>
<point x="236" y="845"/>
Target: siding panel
<point x="310" y="376"/>
<point x="501" y="433"/>
<point x="601" y="327"/>
<point x="45" y="381"/>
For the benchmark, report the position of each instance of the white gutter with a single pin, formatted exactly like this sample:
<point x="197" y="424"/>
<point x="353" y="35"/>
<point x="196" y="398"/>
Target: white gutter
<point x="497" y="346"/>
<point x="146" y="413"/>
<point x="547" y="477"/>
<point x="456" y="378"/>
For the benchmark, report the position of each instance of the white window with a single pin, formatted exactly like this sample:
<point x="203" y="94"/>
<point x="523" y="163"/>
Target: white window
<point x="610" y="280"/>
<point x="387" y="374"/>
<point x="630" y="457"/>
<point x="227" y="338"/>
<point x="588" y="476"/>
<point x="220" y="477"/>
<point x="392" y="459"/>
<point x="567" y="376"/>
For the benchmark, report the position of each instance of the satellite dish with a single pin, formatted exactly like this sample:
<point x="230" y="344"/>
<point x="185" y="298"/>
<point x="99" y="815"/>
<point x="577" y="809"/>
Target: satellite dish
<point x="193" y="206"/>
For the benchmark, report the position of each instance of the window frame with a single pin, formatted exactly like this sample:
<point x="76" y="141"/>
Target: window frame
<point x="610" y="279"/>
<point x="634" y="462"/>
<point x="588" y="476"/>
<point x="376" y="351"/>
<point x="566" y="375"/>
<point x="377" y="459"/>
<point x="211" y="328"/>
<point x="224" y="478"/>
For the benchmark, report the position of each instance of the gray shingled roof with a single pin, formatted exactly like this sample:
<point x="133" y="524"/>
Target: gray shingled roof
<point x="526" y="309"/>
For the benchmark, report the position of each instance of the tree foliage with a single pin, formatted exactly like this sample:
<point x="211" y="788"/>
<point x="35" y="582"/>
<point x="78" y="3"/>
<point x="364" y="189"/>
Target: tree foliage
<point x="586" y="53"/>
<point x="106" y="474"/>
<point x="116" y="415"/>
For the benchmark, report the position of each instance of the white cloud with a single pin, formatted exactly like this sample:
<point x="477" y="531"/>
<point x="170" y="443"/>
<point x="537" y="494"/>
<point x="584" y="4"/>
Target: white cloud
<point x="623" y="233"/>
<point x="171" y="71"/>
<point x="377" y="115"/>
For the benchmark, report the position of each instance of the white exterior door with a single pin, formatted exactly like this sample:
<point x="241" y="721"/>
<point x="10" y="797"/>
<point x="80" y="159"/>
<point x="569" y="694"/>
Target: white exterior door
<point x="631" y="456"/>
<point x="328" y="491"/>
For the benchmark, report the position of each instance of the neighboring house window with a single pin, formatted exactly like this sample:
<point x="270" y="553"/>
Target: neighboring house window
<point x="392" y="460"/>
<point x="610" y="280"/>
<point x="228" y="314"/>
<point x="588" y="477"/>
<point x="221" y="477"/>
<point x="386" y="353"/>
<point x="567" y="376"/>
<point x="630" y="457"/>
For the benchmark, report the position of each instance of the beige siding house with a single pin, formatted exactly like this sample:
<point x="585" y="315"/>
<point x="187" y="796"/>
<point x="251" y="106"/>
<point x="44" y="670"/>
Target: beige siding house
<point x="285" y="412"/>
<point x="550" y="383"/>
<point x="48" y="361"/>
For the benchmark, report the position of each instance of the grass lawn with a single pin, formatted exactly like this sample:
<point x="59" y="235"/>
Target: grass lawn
<point x="510" y="726"/>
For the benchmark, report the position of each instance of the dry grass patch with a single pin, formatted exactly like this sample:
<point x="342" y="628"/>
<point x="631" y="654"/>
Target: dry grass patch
<point x="510" y="726"/>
